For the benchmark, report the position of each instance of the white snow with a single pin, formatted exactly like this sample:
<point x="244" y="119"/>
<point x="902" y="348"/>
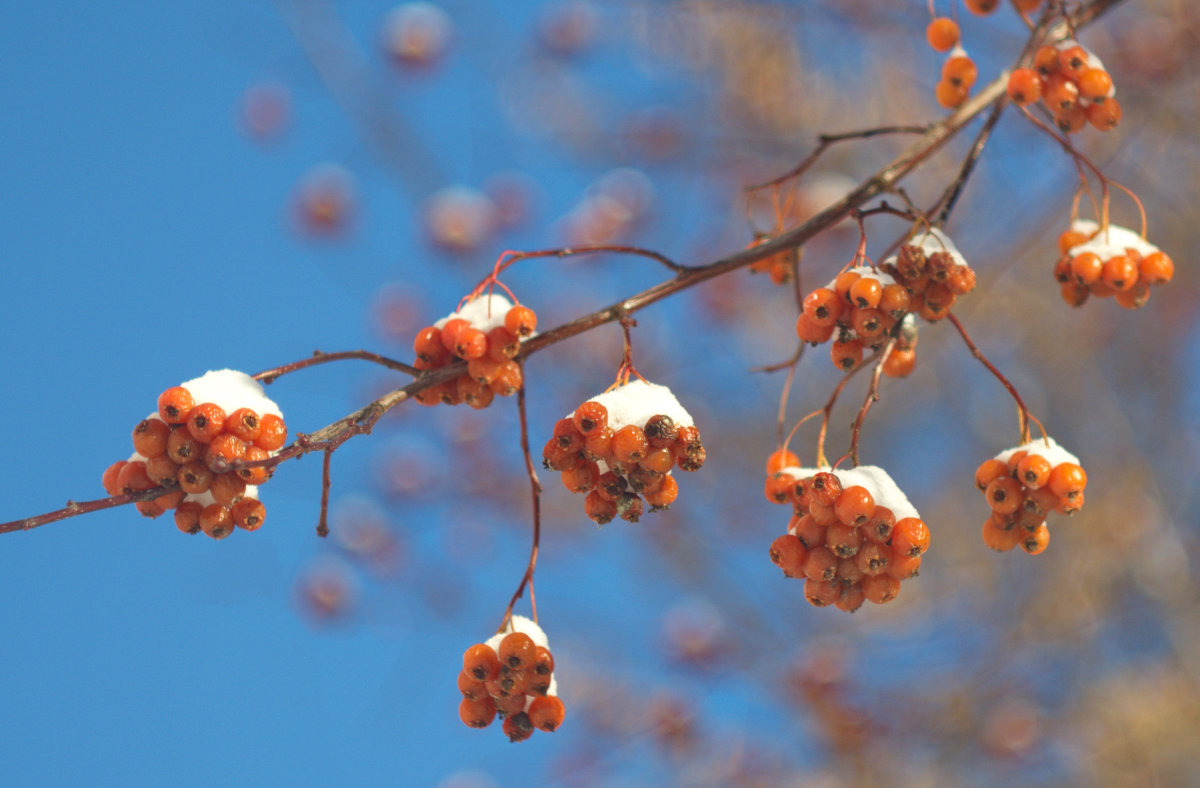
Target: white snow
<point x="637" y="402"/>
<point x="875" y="479"/>
<point x="1054" y="454"/>
<point x="1110" y="244"/>
<point x="484" y="312"/>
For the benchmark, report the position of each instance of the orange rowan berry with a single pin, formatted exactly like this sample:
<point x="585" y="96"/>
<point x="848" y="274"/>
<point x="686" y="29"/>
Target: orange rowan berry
<point x="520" y="321"/>
<point x="1071" y="120"/>
<point x="581" y="478"/>
<point x="132" y="477"/>
<point x="825" y="488"/>
<point x="1004" y="495"/>
<point x="1073" y="61"/>
<point x="900" y="363"/>
<point x="477" y="713"/>
<point x="846" y="353"/>
<point x="227" y="488"/>
<point x="450" y="330"/>
<point x="249" y="514"/>
<point x="823" y="306"/>
<point x="880" y="589"/>
<point x="848" y="571"/>
<point x="981" y="7"/>
<point x="779" y="459"/>
<point x="843" y="282"/>
<point x="1104" y="116"/>
<point x="865" y="292"/>
<point x="557" y="458"/>
<point x="1067" y="480"/>
<point x="244" y="424"/>
<point x="1086" y="268"/>
<point x="807" y="531"/>
<point x="950" y="95"/>
<point x="150" y="437"/>
<point x="470" y="343"/>
<point x="820" y="563"/>
<point x="428" y="345"/>
<point x="272" y="432"/>
<point x="174" y="404"/>
<point x="1024" y="86"/>
<point x="149" y="509"/>
<point x="509" y="380"/>
<point x="1133" y="298"/>
<point x="598" y="445"/>
<point x="481" y="662"/>
<point x="1062" y="270"/>
<point x="999" y="537"/>
<point x="960" y="71"/>
<point x="822" y="514"/>
<point x="517" y="727"/>
<point x="1037" y="541"/>
<point x="599" y="509"/>
<point x="216" y="521"/>
<point x="590" y="417"/>
<point x="893" y="300"/>
<point x="942" y="34"/>
<point x="205" y="422"/>
<point x="961" y="280"/>
<point x="851" y="597"/>
<point x="879" y="527"/>
<point x="867" y="324"/>
<point x="1156" y="268"/>
<point x="1033" y="471"/>
<point x="543" y="663"/>
<point x="1070" y="504"/>
<point x="1094" y="84"/>
<point x="546" y="713"/>
<point x="855" y="505"/>
<point x="1014" y="460"/>
<point x="820" y="593"/>
<point x="658" y="460"/>
<point x="788" y="553"/>
<point x="1040" y="501"/>
<point x="630" y="507"/>
<point x="502" y="344"/>
<point x="163" y="471"/>
<point x="168" y="501"/>
<point x="902" y="567"/>
<point x="1074" y="293"/>
<point x="471" y="687"/>
<point x="195" y="478"/>
<point x="1025" y="6"/>
<point x="1069" y="239"/>
<point x="808" y="331"/>
<point x="224" y="450"/>
<point x="1059" y="92"/>
<point x="517" y="651"/>
<point x="1045" y="60"/>
<point x="910" y="537"/>
<point x="629" y="444"/>
<point x="109" y="477"/>
<point x="1119" y="273"/>
<point x="843" y="540"/>
<point x="187" y="517"/>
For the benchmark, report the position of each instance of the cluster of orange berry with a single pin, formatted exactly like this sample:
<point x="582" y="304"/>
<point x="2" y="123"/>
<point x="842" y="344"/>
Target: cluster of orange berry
<point x="853" y="535"/>
<point x="1072" y="83"/>
<point x="201" y="428"/>
<point x="1024" y="484"/>
<point x="1114" y="262"/>
<point x="621" y="446"/>
<point x="867" y="305"/>
<point x="486" y="332"/>
<point x="780" y="266"/>
<point x="512" y="675"/>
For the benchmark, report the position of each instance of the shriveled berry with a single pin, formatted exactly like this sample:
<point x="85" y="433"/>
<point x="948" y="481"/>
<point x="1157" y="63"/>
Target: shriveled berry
<point x="661" y="431"/>
<point x="599" y="509"/>
<point x="517" y="727"/>
<point x="825" y="488"/>
<point x="630" y="507"/>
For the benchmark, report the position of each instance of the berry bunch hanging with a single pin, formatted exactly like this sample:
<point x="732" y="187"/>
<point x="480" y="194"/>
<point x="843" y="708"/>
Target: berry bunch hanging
<point x="1073" y="85"/>
<point x="1114" y="262"/>
<point x="1022" y="486"/>
<point x="201" y="428"/>
<point x="485" y="332"/>
<point x="511" y="675"/>
<point x="853" y="536"/>
<point x="865" y="305"/>
<point x="620" y="447"/>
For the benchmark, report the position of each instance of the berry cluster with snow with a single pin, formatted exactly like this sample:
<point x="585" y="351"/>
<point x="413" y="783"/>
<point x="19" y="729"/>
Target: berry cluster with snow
<point x="1111" y="262"/>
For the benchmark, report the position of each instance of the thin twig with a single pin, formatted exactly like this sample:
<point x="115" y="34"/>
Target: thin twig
<point x="319" y="357"/>
<point x="823" y="143"/>
<point x="535" y="488"/>
<point x="982" y="359"/>
<point x="871" y="398"/>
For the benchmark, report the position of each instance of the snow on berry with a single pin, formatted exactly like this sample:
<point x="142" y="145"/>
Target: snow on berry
<point x="511" y="675"/>
<point x="1115" y="261"/>
<point x="1023" y="485"/>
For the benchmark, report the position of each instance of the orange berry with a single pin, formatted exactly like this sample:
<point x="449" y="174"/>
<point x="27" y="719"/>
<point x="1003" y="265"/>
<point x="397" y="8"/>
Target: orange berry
<point x="195" y="478"/>
<point x="599" y="509"/>
<point x="843" y="540"/>
<point x="843" y="282"/>
<point x="546" y="713"/>
<point x="598" y="445"/>
<point x="961" y="280"/>
<point x="428" y="346"/>
<point x="581" y="478"/>
<point x="910" y="537"/>
<point x="502" y="344"/>
<point x="483" y="370"/>
<point x="851" y="597"/>
<point x="1059" y="93"/>
<point x="187" y="517"/>
<point x="629" y="444"/>
<point x="779" y="459"/>
<point x="470" y="343"/>
<point x="481" y="662"/>
<point x="846" y="354"/>
<point x="477" y="713"/>
<point x="471" y="687"/>
<point x="820" y="593"/>
<point x="1045" y="60"/>
<point x="517" y="727"/>
<point x="517" y="650"/>
<point x="1156" y="268"/>
<point x="1067" y="480"/>
<point x="590" y="417"/>
<point x="272" y="433"/>
<point x="1086" y="268"/>
<point x="1033" y="471"/>
<point x="1120" y="273"/>
<point x="820" y="564"/>
<point x="879" y="527"/>
<point x="960" y="71"/>
<point x="1024" y="86"/>
<point x="855" y="505"/>
<point x="1070" y="239"/>
<point x="132" y="477"/>
<point x="1071" y="120"/>
<point x="1094" y="84"/>
<point x="227" y="488"/>
<point x="223" y="451"/>
<point x="163" y="471"/>
<point x="216" y="521"/>
<point x="807" y="531"/>
<point x="174" y="405"/>
<point x="893" y="300"/>
<point x="1036" y="541"/>
<point x="988" y="471"/>
<point x="1068" y="505"/>
<point x="244" y="424"/>
<point x="249" y="514"/>
<point x="205" y="422"/>
<point x="822" y="514"/>
<point x="981" y="7"/>
<point x="880" y="589"/>
<point x="950" y="95"/>
<point x="450" y="330"/>
<point x="808" y="331"/>
<point x="509" y="380"/>
<point x="1104" y="116"/>
<point x="1072" y="61"/>
<point x="254" y="475"/>
<point x="1014" y="460"/>
<point x="1074" y="293"/>
<point x="865" y="292"/>
<point x="900" y="363"/>
<point x="658" y="460"/>
<point x="823" y="306"/>
<point x="520" y="321"/>
<point x="661" y="432"/>
<point x="788" y="553"/>
<point x="109" y="477"/>
<point x="942" y="34"/>
<point x="999" y="537"/>
<point x="1004" y="495"/>
<point x="902" y="567"/>
<point x="543" y="663"/>
<point x="150" y="437"/>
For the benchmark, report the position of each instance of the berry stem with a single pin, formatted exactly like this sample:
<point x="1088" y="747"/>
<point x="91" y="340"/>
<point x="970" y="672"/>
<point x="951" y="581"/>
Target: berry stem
<point x="872" y="396"/>
<point x="319" y="357"/>
<point x="1023" y="412"/>
<point x="535" y="488"/>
